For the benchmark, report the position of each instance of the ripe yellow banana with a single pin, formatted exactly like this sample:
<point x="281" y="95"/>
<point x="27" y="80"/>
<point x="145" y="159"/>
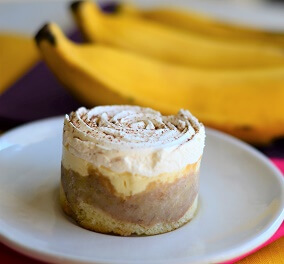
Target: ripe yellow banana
<point x="194" y="22"/>
<point x="169" y="45"/>
<point x="18" y="53"/>
<point x="248" y="104"/>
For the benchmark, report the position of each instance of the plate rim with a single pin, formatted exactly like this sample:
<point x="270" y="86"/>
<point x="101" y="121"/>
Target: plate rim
<point x="231" y="254"/>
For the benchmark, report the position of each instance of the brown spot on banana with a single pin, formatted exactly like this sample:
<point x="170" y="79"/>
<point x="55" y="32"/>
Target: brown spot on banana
<point x="45" y="34"/>
<point x="75" y="5"/>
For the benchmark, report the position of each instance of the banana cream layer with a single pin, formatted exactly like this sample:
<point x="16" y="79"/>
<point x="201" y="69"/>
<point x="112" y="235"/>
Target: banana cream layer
<point x="131" y="140"/>
<point x="124" y="183"/>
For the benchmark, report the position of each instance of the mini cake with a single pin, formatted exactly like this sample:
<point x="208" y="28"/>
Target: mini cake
<point x="130" y="170"/>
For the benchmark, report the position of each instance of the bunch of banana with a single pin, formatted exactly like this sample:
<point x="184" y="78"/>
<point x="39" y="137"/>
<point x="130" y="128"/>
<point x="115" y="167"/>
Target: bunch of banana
<point x="164" y="43"/>
<point x="247" y="103"/>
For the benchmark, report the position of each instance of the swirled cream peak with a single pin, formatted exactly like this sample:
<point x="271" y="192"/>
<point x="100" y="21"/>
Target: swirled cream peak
<point x="134" y="139"/>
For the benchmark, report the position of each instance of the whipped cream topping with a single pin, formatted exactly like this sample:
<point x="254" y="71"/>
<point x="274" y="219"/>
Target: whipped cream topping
<point x="134" y="139"/>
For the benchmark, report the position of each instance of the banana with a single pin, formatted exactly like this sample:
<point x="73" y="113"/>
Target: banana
<point x="169" y="45"/>
<point x="194" y="22"/>
<point x="245" y="103"/>
<point x="18" y="54"/>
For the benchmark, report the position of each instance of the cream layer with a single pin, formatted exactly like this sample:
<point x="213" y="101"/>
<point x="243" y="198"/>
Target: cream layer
<point x="134" y="140"/>
<point x="124" y="183"/>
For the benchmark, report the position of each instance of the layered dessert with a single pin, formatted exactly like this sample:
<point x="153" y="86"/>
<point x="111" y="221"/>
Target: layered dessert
<point x="130" y="170"/>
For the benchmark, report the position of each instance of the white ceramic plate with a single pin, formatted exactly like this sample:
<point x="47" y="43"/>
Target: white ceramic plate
<point x="241" y="205"/>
